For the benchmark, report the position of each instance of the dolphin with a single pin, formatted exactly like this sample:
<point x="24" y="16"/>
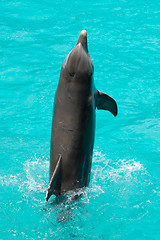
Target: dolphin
<point x="73" y="125"/>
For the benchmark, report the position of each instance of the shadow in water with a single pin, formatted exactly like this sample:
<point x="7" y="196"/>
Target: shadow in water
<point x="65" y="207"/>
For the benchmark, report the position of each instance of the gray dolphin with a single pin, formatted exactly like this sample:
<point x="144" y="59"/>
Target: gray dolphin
<point x="73" y="126"/>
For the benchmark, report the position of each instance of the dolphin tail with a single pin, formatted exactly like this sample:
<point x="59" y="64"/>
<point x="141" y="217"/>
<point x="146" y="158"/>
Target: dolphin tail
<point x="105" y="102"/>
<point x="53" y="179"/>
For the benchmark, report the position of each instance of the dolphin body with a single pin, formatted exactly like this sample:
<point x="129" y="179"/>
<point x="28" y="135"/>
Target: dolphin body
<point x="73" y="126"/>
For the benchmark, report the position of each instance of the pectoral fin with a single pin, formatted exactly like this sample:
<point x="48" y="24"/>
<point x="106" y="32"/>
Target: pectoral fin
<point x="53" y="179"/>
<point x="105" y="102"/>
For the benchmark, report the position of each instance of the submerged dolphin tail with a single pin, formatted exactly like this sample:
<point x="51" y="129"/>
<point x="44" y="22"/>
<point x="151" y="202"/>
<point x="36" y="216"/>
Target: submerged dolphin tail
<point x="105" y="102"/>
<point x="53" y="179"/>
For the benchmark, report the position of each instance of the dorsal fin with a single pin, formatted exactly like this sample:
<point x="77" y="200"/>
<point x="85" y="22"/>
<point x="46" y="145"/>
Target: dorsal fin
<point x="53" y="178"/>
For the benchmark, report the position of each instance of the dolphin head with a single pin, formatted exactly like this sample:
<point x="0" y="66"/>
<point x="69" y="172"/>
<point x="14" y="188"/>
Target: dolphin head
<point x="78" y="62"/>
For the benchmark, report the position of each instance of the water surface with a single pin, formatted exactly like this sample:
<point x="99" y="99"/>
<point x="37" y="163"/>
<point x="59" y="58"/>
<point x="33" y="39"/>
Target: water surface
<point x="122" y="201"/>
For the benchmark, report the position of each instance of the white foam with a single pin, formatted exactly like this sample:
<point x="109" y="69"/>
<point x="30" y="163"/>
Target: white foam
<point x="9" y="180"/>
<point x="107" y="170"/>
<point x="36" y="170"/>
<point x="35" y="176"/>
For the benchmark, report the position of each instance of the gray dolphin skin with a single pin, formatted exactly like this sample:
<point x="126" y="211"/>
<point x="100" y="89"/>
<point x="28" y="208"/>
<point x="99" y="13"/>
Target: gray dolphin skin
<point x="73" y="126"/>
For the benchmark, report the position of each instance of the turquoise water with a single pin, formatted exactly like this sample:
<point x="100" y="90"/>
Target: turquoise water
<point x="122" y="201"/>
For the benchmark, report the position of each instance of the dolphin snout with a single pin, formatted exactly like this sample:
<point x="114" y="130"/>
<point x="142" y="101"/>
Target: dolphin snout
<point x="83" y="33"/>
<point x="83" y="39"/>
